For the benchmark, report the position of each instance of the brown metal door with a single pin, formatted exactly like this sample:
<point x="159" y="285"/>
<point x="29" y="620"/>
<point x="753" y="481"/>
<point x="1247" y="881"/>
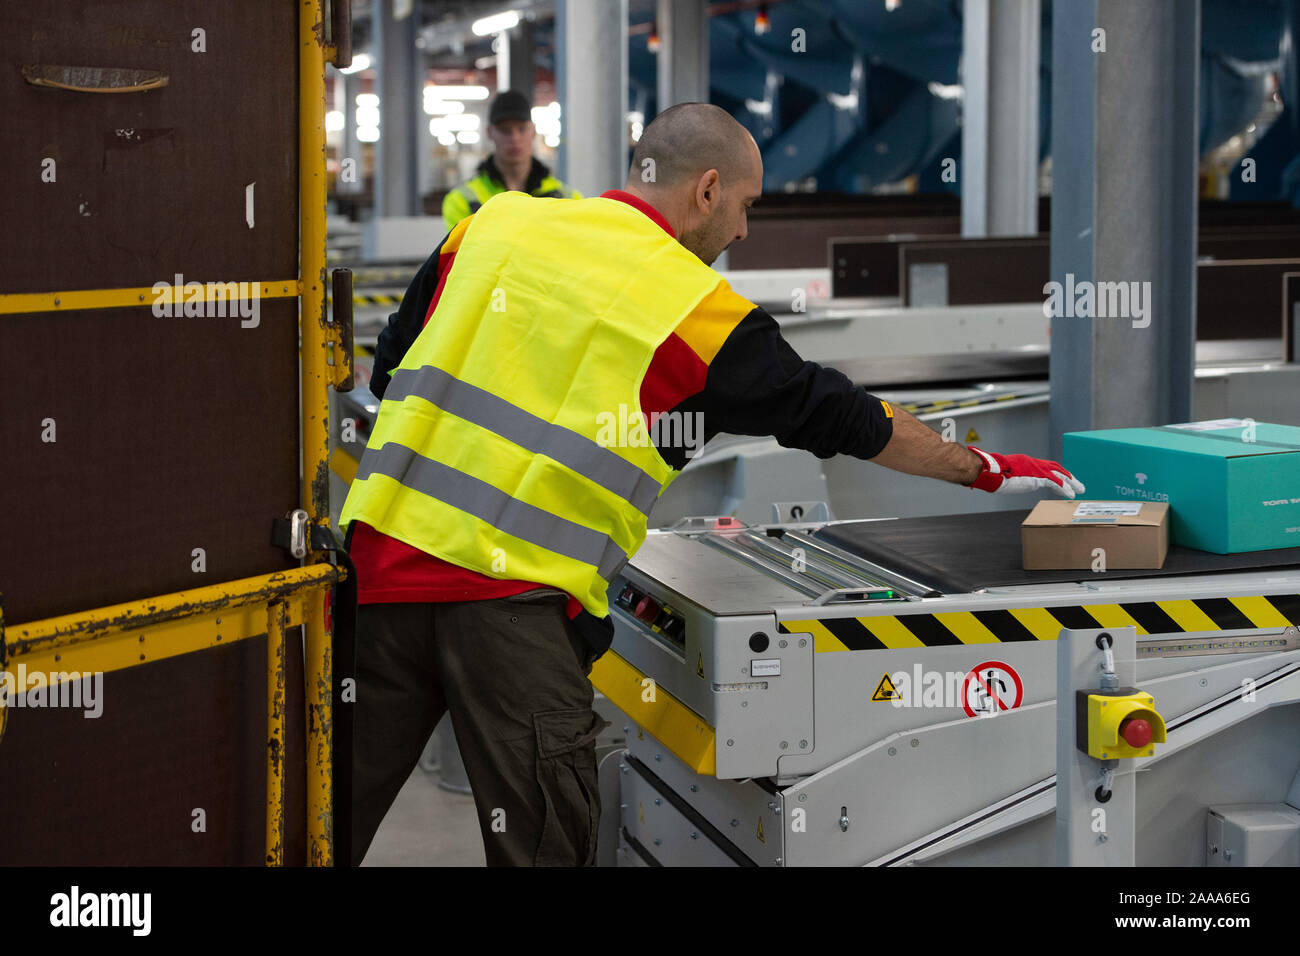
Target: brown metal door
<point x="147" y="453"/>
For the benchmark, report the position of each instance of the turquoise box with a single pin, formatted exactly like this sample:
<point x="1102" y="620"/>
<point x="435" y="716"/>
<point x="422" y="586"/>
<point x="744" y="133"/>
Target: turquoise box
<point x="1232" y="484"/>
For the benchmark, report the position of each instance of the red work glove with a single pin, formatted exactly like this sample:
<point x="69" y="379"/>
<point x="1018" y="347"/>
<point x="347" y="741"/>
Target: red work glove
<point x="1021" y="473"/>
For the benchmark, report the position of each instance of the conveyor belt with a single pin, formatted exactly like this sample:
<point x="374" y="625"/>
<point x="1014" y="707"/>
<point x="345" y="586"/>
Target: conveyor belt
<point x="957" y="554"/>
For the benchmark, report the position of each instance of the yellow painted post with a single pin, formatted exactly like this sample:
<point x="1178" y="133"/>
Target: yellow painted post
<point x="315" y="417"/>
<point x="320" y="738"/>
<point x="315" y="329"/>
<point x="276" y="622"/>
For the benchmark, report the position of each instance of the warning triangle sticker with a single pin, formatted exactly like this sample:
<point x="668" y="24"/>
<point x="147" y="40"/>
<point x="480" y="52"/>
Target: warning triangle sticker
<point x="972" y="435"/>
<point x="762" y="837"/>
<point x="699" y="667"/>
<point x="886" y="690"/>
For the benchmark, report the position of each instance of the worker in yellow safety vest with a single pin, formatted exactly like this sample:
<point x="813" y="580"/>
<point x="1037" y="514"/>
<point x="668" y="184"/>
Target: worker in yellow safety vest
<point x="511" y="166"/>
<point x="521" y="444"/>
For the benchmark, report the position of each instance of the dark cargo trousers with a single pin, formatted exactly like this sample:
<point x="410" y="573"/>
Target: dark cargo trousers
<point x="512" y="672"/>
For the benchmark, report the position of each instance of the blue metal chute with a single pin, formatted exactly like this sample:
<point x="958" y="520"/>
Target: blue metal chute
<point x="1275" y="170"/>
<point x="732" y="68"/>
<point x="844" y="101"/>
<point x="920" y="38"/>
<point x="823" y="65"/>
<point x="803" y="148"/>
<point x="1232" y="93"/>
<point x="1242" y="29"/>
<point x="855" y="110"/>
<point x="930" y="177"/>
<point x="911" y="138"/>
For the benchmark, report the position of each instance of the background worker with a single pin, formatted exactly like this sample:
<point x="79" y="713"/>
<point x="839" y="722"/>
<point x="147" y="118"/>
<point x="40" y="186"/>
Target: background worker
<point x="511" y="166"/>
<point x="487" y="518"/>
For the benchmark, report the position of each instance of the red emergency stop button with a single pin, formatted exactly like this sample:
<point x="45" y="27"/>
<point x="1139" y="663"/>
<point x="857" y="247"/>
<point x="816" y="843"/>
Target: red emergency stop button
<point x="647" y="609"/>
<point x="1136" y="732"/>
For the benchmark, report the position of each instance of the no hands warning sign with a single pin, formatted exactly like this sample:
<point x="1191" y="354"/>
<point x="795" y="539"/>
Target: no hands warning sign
<point x="990" y="688"/>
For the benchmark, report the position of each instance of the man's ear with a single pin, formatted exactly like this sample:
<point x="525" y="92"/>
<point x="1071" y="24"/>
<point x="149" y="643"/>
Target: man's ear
<point x="708" y="190"/>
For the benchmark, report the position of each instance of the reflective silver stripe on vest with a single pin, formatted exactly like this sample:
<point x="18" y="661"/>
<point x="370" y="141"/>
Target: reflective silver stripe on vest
<point x="471" y="197"/>
<point x="488" y="503"/>
<point x="586" y="457"/>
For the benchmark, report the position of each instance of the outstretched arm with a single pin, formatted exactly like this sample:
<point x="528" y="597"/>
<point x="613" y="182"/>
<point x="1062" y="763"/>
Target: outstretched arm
<point x="758" y="385"/>
<point x="916" y="449"/>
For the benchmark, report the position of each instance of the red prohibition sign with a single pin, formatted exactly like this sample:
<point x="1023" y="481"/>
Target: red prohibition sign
<point x="990" y="684"/>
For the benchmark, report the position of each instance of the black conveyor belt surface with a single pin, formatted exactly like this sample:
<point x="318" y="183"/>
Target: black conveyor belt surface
<point x="961" y="553"/>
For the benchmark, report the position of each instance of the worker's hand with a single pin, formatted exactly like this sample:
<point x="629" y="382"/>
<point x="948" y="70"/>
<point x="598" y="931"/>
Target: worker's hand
<point x="1021" y="473"/>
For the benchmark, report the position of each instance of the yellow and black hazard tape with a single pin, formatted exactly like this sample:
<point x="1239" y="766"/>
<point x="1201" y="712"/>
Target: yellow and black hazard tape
<point x="1045" y="624"/>
<point x="924" y="408"/>
<point x="377" y="276"/>
<point x="366" y="299"/>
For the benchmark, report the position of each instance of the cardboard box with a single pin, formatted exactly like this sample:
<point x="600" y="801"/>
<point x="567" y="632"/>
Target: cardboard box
<point x="1064" y="534"/>
<point x="1232" y="484"/>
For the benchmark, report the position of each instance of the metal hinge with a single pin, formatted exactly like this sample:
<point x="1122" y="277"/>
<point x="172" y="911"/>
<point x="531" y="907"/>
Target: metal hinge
<point x="291" y="533"/>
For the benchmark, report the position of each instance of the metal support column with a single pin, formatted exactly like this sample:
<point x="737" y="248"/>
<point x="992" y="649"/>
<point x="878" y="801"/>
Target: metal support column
<point x="999" y="179"/>
<point x="1094" y="826"/>
<point x="424" y="141"/>
<point x="350" y="86"/>
<point x="683" y="59"/>
<point x="592" y="82"/>
<point x="397" y="158"/>
<point x="1124" y="153"/>
<point x="515" y="59"/>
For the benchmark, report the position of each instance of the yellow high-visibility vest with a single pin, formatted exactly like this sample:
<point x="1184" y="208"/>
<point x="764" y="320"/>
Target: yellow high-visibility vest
<point x="493" y="448"/>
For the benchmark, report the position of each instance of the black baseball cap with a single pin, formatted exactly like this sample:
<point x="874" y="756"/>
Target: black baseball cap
<point x="510" y="105"/>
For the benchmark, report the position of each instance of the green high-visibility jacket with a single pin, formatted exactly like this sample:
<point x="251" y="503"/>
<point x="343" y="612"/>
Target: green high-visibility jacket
<point x="466" y="198"/>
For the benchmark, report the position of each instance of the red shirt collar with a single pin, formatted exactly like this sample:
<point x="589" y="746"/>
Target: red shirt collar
<point x="636" y="202"/>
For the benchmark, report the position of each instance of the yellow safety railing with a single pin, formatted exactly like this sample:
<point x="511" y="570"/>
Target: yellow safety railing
<point x="152" y="629"/>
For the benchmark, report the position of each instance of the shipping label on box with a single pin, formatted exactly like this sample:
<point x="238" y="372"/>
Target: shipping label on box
<point x="1096" y="536"/>
<point x="1231" y="484"/>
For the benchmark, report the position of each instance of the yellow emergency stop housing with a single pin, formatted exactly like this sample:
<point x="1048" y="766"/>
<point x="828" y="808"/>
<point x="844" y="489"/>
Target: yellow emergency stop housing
<point x="1098" y="718"/>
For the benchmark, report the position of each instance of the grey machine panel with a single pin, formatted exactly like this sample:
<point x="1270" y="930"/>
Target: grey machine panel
<point x="778" y="640"/>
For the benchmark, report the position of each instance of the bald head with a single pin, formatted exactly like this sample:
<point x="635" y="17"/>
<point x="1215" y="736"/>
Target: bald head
<point x="685" y="140"/>
<point x="702" y="170"/>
